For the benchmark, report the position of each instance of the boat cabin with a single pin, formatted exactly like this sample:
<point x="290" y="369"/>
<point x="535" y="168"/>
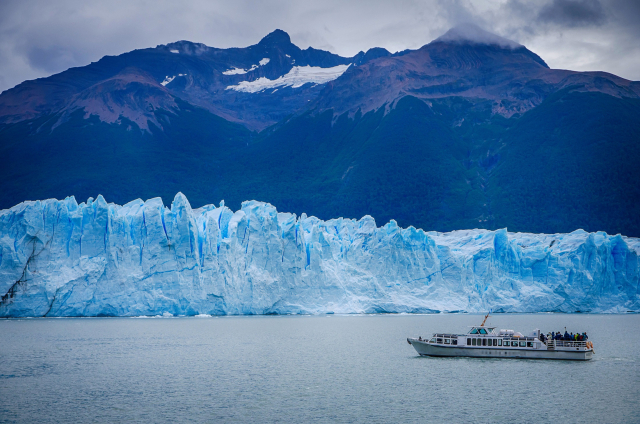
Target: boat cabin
<point x="489" y="337"/>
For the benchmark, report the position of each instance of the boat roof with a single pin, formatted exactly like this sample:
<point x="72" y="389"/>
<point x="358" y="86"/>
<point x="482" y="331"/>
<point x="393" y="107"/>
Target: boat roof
<point x="477" y="329"/>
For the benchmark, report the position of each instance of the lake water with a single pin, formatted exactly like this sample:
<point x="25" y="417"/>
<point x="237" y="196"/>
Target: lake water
<point x="306" y="369"/>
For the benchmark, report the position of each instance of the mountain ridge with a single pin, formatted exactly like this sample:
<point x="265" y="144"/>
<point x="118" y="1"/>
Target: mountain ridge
<point x="442" y="67"/>
<point x="196" y="73"/>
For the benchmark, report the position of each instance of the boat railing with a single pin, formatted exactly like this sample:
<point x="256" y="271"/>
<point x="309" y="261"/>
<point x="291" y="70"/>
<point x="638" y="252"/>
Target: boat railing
<point x="566" y="343"/>
<point x="522" y="339"/>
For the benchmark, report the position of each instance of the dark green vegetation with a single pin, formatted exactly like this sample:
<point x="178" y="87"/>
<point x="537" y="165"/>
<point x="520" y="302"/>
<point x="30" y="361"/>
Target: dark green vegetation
<point x="572" y="162"/>
<point x="86" y="157"/>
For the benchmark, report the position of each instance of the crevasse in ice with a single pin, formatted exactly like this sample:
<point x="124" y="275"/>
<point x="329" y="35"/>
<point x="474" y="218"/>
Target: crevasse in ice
<point x="58" y="258"/>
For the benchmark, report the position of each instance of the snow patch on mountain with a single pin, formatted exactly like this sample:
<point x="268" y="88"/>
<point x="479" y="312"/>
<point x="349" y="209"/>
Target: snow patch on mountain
<point x="240" y="71"/>
<point x="61" y="258"/>
<point x="174" y="51"/>
<point x="168" y="79"/>
<point x="296" y="77"/>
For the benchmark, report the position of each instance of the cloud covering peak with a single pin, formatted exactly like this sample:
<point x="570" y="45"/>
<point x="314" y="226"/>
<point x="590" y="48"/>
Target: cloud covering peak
<point x="471" y="33"/>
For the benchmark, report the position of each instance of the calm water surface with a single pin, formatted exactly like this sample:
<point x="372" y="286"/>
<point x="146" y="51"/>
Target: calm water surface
<point x="306" y="369"/>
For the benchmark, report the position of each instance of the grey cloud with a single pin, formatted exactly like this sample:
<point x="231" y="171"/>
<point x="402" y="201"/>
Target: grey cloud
<point x="460" y="11"/>
<point x="51" y="59"/>
<point x="627" y="16"/>
<point x="573" y="13"/>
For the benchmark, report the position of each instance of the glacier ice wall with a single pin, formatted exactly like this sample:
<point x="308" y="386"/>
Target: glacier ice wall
<point x="58" y="258"/>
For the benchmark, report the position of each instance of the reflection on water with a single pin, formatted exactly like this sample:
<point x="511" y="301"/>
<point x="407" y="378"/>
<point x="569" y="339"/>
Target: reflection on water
<point x="306" y="369"/>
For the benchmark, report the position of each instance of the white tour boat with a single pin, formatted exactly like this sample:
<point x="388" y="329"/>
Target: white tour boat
<point x="487" y="342"/>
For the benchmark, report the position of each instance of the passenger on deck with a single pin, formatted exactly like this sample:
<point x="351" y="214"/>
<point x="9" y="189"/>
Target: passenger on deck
<point x="553" y="335"/>
<point x="585" y="336"/>
<point x="566" y="335"/>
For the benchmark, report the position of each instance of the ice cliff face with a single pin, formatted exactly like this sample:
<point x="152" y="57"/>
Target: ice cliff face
<point x="58" y="258"/>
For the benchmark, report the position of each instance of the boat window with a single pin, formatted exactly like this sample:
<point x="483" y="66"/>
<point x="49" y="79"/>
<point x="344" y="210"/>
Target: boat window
<point x="499" y="342"/>
<point x="473" y="342"/>
<point x="514" y="344"/>
<point x="482" y="331"/>
<point x="454" y="342"/>
<point x="439" y="340"/>
<point x="468" y="342"/>
<point x="432" y="340"/>
<point x="523" y="344"/>
<point x="529" y="344"/>
<point x="495" y="342"/>
<point x="447" y="341"/>
<point x="474" y="331"/>
<point x="484" y="342"/>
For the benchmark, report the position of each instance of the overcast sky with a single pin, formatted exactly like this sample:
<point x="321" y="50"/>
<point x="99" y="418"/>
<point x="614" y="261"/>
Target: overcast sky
<point x="42" y="37"/>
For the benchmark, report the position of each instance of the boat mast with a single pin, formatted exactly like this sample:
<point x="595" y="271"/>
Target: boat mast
<point x="485" y="319"/>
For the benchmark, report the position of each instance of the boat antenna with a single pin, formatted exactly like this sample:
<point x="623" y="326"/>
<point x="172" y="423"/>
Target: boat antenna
<point x="485" y="318"/>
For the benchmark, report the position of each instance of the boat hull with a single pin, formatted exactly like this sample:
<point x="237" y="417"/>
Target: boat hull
<point x="426" y="349"/>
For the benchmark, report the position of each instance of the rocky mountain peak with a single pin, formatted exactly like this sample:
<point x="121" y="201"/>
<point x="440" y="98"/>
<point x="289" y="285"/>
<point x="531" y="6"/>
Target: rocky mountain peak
<point x="277" y="37"/>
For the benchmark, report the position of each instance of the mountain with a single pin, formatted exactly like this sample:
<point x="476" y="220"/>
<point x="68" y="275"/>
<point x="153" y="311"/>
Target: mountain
<point x="224" y="81"/>
<point x="470" y="131"/>
<point x="61" y="258"/>
<point x="512" y="78"/>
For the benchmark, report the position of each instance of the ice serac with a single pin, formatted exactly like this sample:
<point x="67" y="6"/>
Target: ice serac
<point x="58" y="258"/>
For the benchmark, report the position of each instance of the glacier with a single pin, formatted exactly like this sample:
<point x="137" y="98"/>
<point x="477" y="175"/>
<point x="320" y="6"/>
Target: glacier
<point x="61" y="258"/>
<point x="295" y="78"/>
